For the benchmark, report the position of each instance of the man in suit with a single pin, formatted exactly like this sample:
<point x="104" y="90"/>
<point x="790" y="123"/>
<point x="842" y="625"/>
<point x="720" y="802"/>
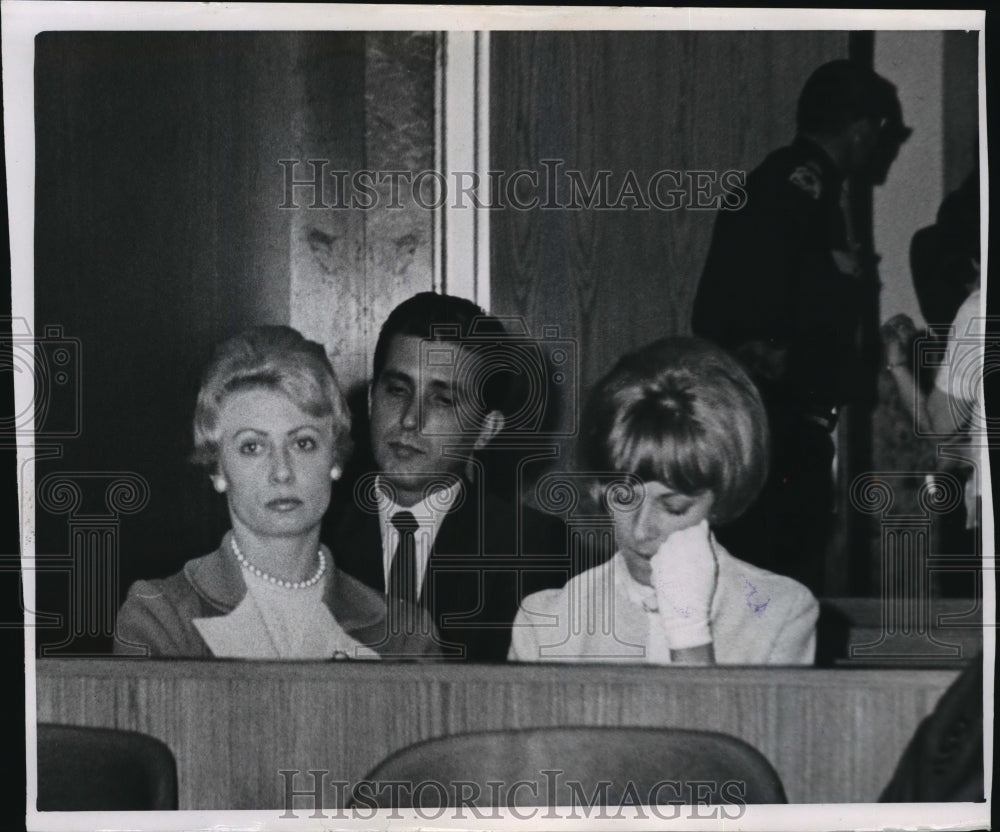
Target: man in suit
<point x="425" y="527"/>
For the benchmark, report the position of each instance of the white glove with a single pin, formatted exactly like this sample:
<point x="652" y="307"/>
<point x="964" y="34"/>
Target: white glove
<point x="683" y="575"/>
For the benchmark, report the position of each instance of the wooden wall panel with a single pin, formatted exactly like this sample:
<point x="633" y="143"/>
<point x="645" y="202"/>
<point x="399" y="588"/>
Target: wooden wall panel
<point x="399" y="136"/>
<point x="157" y="235"/>
<point x="832" y="735"/>
<point x="629" y="101"/>
<point x="327" y="264"/>
<point x="160" y="232"/>
<point x="352" y="265"/>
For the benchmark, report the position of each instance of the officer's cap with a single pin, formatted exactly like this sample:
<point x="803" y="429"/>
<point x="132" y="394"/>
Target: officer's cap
<point x="841" y="92"/>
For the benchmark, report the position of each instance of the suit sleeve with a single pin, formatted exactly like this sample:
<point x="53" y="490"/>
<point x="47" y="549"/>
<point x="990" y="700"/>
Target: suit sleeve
<point x="149" y="624"/>
<point x="796" y="640"/>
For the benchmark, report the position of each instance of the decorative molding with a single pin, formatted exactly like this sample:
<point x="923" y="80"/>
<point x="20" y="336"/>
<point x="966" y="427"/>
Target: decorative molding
<point x="461" y="230"/>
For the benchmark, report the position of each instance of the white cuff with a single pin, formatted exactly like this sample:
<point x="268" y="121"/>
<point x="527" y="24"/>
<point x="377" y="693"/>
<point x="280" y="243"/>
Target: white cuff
<point x="683" y="633"/>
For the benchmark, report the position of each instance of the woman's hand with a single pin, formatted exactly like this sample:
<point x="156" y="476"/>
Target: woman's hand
<point x="684" y="575"/>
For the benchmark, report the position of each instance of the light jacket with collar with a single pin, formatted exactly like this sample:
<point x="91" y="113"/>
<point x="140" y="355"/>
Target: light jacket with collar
<point x="757" y="617"/>
<point x="157" y="618"/>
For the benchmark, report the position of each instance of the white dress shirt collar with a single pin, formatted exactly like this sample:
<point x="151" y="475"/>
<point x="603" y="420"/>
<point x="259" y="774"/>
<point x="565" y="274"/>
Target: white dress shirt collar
<point x="429" y="513"/>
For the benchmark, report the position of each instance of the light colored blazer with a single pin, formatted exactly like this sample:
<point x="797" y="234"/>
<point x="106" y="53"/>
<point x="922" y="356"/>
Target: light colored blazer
<point x="757" y="617"/>
<point x="157" y="618"/>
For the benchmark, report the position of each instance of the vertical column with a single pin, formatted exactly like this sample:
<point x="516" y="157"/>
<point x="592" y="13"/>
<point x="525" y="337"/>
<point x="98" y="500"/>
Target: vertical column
<point x="366" y="115"/>
<point x="326" y="212"/>
<point x="462" y="243"/>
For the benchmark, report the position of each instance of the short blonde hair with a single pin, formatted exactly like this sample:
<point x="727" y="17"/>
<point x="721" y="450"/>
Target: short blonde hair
<point x="271" y="358"/>
<point x="681" y="411"/>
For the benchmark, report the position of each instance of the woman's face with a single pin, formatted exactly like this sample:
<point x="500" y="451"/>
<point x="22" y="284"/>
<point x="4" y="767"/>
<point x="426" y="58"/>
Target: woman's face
<point x="276" y="461"/>
<point x="646" y="518"/>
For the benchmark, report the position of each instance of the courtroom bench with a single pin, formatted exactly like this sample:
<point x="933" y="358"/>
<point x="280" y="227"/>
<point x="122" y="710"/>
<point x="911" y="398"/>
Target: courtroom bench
<point x="833" y="735"/>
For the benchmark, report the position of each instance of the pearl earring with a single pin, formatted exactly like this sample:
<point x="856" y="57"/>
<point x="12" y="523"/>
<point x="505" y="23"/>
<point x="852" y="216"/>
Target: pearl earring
<point x="335" y="472"/>
<point x="220" y="484"/>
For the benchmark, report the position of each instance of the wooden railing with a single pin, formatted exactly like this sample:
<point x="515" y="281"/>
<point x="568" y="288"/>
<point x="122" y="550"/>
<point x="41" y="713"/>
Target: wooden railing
<point x="834" y="735"/>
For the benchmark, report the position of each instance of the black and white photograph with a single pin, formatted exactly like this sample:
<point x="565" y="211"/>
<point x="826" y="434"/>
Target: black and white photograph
<point x="500" y="417"/>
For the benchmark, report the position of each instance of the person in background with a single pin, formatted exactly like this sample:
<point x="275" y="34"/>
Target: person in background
<point x="272" y="429"/>
<point x="953" y="408"/>
<point x="944" y="402"/>
<point x="433" y="533"/>
<point x="790" y="289"/>
<point x="676" y="438"/>
<point x="943" y="762"/>
<point x="944" y="257"/>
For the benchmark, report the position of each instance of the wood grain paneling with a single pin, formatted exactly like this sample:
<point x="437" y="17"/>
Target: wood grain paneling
<point x="327" y="263"/>
<point x="157" y="235"/>
<point x="352" y="265"/>
<point x="832" y="735"/>
<point x="623" y="102"/>
<point x="159" y="232"/>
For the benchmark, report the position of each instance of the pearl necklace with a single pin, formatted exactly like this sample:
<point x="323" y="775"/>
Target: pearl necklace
<point x="260" y="573"/>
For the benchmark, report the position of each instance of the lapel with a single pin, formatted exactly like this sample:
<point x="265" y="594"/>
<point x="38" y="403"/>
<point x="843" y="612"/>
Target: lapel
<point x="358" y="608"/>
<point x="357" y="549"/>
<point x="236" y="630"/>
<point x="451" y="575"/>
<point x="460" y="533"/>
<point x="240" y="634"/>
<point x="218" y="580"/>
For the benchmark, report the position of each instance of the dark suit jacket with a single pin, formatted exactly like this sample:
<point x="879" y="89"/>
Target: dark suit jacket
<point x="944" y="760"/>
<point x="488" y="555"/>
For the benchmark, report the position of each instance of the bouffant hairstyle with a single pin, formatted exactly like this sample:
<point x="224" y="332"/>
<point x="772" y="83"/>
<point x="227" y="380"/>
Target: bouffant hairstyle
<point x="271" y="358"/>
<point x="683" y="412"/>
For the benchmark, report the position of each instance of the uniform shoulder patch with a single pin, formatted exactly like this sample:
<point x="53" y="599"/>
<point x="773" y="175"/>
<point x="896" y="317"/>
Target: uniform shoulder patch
<point x="806" y="178"/>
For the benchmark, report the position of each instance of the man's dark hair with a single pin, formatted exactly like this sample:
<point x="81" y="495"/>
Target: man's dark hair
<point x="447" y="318"/>
<point x="841" y="92"/>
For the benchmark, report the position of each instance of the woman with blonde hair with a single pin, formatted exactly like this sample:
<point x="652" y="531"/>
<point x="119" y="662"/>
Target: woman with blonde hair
<point x="675" y="437"/>
<point x="273" y="430"/>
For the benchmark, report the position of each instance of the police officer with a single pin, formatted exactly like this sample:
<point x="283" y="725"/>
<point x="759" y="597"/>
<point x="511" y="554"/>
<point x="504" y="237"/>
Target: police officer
<point x="787" y="287"/>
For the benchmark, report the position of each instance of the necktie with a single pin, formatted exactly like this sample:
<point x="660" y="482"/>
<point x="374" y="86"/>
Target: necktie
<point x="403" y="570"/>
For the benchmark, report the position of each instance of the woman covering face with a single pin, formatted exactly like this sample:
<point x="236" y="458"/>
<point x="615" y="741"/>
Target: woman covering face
<point x="272" y="429"/>
<point x="676" y="438"/>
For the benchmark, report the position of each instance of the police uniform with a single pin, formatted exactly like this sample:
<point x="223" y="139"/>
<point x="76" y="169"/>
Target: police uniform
<point x="782" y="289"/>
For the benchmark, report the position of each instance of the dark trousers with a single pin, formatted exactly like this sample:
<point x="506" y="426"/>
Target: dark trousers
<point x="786" y="530"/>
